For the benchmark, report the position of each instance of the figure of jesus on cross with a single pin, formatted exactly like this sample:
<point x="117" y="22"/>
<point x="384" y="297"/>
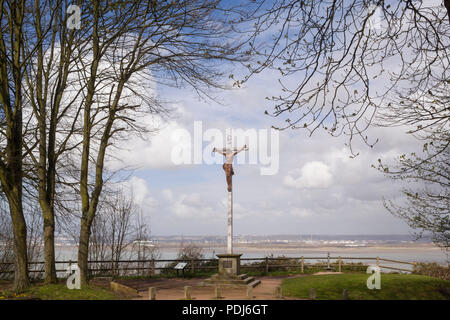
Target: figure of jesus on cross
<point x="229" y="154"/>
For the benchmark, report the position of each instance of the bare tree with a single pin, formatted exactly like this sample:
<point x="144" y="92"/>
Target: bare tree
<point x="143" y="248"/>
<point x="170" y="43"/>
<point x="119" y="231"/>
<point x="51" y="112"/>
<point x="340" y="62"/>
<point x="123" y="212"/>
<point x="99" y="247"/>
<point x="33" y="83"/>
<point x="34" y="223"/>
<point x="348" y="65"/>
<point x="119" y="46"/>
<point x="6" y="239"/>
<point x="13" y="62"/>
<point x="112" y="229"/>
<point x="189" y="252"/>
<point x="426" y="207"/>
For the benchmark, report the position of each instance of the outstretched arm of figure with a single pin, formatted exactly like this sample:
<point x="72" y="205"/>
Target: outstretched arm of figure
<point x="221" y="151"/>
<point x="243" y="148"/>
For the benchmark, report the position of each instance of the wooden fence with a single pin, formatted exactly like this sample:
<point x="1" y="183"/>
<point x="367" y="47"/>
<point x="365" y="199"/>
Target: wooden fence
<point x="266" y="264"/>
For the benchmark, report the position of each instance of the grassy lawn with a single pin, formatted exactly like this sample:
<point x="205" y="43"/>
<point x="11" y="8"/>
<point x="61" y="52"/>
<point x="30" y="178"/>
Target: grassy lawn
<point x="61" y="292"/>
<point x="393" y="287"/>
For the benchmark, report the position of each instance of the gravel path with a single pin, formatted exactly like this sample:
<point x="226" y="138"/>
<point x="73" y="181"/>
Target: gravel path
<point x="173" y="289"/>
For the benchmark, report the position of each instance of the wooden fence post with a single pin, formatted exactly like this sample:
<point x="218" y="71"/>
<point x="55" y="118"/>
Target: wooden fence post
<point x="312" y="293"/>
<point x="267" y="265"/>
<point x="345" y="294"/>
<point x="378" y="261"/>
<point x="303" y="265"/>
<point x="278" y="293"/>
<point x="340" y="264"/>
<point x="112" y="268"/>
<point x="187" y="292"/>
<point x="152" y="293"/>
<point x="153" y="267"/>
<point x="217" y="292"/>
<point x="249" y="291"/>
<point x="192" y="266"/>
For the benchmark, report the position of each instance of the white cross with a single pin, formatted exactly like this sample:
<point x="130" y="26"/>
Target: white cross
<point x="229" y="154"/>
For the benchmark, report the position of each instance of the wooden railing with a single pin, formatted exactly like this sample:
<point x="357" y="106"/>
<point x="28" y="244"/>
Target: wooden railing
<point x="267" y="264"/>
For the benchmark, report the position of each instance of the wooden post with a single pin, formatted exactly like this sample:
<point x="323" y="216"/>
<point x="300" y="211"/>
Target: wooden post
<point x="152" y="293"/>
<point x="345" y="294"/>
<point x="340" y="264"/>
<point x="192" y="267"/>
<point x="328" y="261"/>
<point x="249" y="292"/>
<point x="139" y="258"/>
<point x="112" y="268"/>
<point x="217" y="292"/>
<point x="187" y="292"/>
<point x="278" y="293"/>
<point x="267" y="265"/>
<point x="312" y="293"/>
<point x="303" y="265"/>
<point x="378" y="261"/>
<point x="153" y="267"/>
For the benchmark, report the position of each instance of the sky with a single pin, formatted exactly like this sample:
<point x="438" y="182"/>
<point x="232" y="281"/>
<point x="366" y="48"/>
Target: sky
<point x="317" y="189"/>
<point x="314" y="185"/>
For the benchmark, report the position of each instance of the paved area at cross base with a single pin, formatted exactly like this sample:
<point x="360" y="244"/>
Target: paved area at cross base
<point x="173" y="289"/>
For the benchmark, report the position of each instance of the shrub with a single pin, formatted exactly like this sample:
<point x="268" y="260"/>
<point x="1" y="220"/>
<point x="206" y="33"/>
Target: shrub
<point x="188" y="253"/>
<point x="432" y="270"/>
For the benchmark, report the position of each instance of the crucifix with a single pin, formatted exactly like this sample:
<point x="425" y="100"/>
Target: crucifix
<point x="229" y="154"/>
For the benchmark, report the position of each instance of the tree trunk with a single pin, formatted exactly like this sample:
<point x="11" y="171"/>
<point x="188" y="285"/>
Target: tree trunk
<point x="11" y="170"/>
<point x="447" y="5"/>
<point x="83" y="252"/>
<point x="49" y="247"/>
<point x="12" y="183"/>
<point x="46" y="194"/>
<point x="21" y="280"/>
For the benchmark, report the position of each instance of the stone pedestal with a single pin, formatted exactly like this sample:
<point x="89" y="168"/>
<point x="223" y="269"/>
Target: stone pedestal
<point x="229" y="273"/>
<point x="229" y="265"/>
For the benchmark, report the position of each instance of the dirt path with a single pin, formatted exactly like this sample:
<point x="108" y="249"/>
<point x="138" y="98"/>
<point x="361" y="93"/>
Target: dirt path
<point x="173" y="289"/>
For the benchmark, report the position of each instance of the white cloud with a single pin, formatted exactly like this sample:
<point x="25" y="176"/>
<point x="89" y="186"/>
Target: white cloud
<point x="192" y="206"/>
<point x="314" y="175"/>
<point x="329" y="192"/>
<point x="138" y="190"/>
<point x="154" y="149"/>
<point x="167" y="194"/>
<point x="300" y="212"/>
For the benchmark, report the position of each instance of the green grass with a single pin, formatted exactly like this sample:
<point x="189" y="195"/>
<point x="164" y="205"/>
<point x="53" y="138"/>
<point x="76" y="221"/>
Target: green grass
<point x="307" y="270"/>
<point x="393" y="287"/>
<point x="61" y="292"/>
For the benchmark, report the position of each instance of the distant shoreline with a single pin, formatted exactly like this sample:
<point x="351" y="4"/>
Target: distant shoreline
<point x="292" y="248"/>
<point x="422" y="252"/>
<point x="303" y="247"/>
